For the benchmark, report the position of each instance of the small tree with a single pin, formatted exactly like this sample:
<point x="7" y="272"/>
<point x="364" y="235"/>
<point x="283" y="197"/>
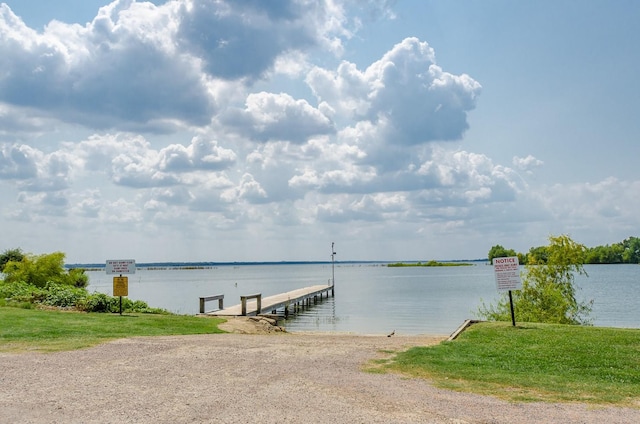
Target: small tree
<point x="78" y="278"/>
<point x="42" y="269"/>
<point x="548" y="291"/>
<point x="15" y="255"/>
<point x="538" y="255"/>
<point x="498" y="251"/>
<point x="631" y="253"/>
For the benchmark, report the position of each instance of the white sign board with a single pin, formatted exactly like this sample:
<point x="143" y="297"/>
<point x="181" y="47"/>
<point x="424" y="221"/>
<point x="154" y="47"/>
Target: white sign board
<point x="121" y="266"/>
<point x="507" y="272"/>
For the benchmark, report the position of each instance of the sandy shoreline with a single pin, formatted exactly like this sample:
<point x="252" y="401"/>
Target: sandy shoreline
<point x="242" y="378"/>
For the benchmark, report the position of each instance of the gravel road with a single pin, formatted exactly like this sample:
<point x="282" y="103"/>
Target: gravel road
<point x="241" y="378"/>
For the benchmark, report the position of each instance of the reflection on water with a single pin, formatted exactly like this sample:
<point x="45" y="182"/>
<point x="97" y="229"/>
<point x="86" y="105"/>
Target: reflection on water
<point x="372" y="298"/>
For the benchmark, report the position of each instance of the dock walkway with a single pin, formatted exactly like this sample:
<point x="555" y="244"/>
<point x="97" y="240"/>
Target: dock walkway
<point x="292" y="299"/>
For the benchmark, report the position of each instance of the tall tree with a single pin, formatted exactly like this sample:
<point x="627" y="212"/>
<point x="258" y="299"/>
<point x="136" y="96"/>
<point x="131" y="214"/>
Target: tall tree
<point x="631" y="254"/>
<point x="498" y="251"/>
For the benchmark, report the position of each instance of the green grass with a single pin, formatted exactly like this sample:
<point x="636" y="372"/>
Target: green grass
<point x="533" y="362"/>
<point x="49" y="331"/>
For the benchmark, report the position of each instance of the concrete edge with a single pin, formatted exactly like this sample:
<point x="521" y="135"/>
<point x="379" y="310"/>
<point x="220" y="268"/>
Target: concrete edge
<point x="466" y="324"/>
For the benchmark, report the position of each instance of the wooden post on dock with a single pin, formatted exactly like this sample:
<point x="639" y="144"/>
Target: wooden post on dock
<point x="243" y="301"/>
<point x="218" y="297"/>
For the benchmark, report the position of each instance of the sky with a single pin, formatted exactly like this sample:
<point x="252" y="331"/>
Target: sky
<point x="247" y="130"/>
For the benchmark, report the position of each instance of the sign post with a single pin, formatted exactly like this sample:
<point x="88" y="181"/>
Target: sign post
<point x="120" y="288"/>
<point x="507" y="272"/>
<point x="120" y="283"/>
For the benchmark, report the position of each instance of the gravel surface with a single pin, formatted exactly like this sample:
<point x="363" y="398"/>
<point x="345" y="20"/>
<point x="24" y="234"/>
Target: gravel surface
<point x="248" y="378"/>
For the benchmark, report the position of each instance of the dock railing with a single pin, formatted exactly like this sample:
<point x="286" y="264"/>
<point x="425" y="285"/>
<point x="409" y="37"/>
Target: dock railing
<point x="218" y="297"/>
<point x="258" y="297"/>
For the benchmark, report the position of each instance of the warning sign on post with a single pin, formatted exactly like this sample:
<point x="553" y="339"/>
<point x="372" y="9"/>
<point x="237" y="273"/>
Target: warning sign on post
<point x="507" y="271"/>
<point x="120" y="286"/>
<point x="121" y="266"/>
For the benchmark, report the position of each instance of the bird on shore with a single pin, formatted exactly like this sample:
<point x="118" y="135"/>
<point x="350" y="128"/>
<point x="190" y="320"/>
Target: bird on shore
<point x="392" y="333"/>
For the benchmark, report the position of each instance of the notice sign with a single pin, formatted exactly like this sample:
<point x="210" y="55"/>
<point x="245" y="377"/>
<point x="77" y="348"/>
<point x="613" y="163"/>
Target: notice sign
<point x="507" y="272"/>
<point x="120" y="286"/>
<point x="121" y="266"/>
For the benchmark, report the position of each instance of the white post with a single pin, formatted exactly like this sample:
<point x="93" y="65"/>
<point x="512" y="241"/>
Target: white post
<point x="333" y="270"/>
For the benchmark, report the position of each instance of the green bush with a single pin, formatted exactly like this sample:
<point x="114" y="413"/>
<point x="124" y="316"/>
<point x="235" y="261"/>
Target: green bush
<point x="96" y="302"/>
<point x="63" y="296"/>
<point x="22" y="305"/>
<point x="39" y="270"/>
<point x="140" y="306"/>
<point x="77" y="277"/>
<point x="20" y="291"/>
<point x="100" y="302"/>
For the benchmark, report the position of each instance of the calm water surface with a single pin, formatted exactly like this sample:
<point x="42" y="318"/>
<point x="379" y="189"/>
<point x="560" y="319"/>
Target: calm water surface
<point x="373" y="298"/>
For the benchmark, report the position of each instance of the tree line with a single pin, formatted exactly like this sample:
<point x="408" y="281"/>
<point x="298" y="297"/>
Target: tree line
<point x="624" y="252"/>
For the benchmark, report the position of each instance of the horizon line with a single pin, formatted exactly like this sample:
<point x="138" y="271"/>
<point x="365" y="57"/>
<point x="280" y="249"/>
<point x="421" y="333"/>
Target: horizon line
<point x="284" y="262"/>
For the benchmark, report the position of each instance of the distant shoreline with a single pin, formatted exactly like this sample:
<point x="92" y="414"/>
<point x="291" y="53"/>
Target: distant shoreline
<point x="208" y="265"/>
<point x="427" y="264"/>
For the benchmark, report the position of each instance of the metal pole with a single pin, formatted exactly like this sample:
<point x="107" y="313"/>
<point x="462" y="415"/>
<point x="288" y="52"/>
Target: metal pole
<point x="120" y="300"/>
<point x="513" y="316"/>
<point x="333" y="269"/>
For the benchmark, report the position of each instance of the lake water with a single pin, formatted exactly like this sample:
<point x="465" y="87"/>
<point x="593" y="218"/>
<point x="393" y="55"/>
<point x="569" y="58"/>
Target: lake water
<point x="372" y="298"/>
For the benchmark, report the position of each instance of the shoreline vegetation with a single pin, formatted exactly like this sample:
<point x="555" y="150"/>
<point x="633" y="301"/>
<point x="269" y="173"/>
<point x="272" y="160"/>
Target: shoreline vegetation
<point x="624" y="252"/>
<point x="428" y="264"/>
<point x="162" y="266"/>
